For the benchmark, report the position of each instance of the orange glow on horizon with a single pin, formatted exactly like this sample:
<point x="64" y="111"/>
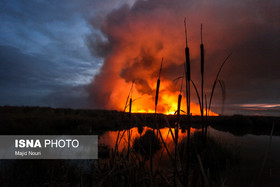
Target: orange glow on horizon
<point x="167" y="105"/>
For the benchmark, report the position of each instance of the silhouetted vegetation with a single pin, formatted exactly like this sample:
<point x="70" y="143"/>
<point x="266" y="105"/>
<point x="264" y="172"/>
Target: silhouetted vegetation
<point x="214" y="159"/>
<point x="142" y="145"/>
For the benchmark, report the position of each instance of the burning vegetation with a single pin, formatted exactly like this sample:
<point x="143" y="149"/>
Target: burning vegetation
<point x="133" y="47"/>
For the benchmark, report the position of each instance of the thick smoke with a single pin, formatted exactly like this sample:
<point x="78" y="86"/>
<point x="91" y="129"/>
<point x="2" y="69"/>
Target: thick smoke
<point x="138" y="36"/>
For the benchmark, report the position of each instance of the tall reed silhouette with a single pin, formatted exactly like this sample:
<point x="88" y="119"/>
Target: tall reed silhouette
<point x="152" y="142"/>
<point x="187" y="66"/>
<point x="202" y="80"/>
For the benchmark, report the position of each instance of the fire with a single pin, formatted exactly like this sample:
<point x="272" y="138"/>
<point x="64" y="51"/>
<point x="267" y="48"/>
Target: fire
<point x="134" y="46"/>
<point x="169" y="106"/>
<point x="145" y="103"/>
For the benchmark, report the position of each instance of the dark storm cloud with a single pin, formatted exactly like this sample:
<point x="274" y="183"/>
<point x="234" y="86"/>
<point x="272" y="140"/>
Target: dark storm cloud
<point x="44" y="59"/>
<point x="29" y="80"/>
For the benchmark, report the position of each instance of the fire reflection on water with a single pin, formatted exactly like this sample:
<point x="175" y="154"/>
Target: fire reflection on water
<point x="109" y="137"/>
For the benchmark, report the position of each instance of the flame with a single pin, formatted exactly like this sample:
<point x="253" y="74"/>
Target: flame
<point x="171" y="102"/>
<point x="145" y="103"/>
<point x="167" y="104"/>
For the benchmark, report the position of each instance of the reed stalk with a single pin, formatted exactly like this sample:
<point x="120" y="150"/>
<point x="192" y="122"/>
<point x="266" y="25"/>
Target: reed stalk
<point x="214" y="85"/>
<point x="198" y="96"/>
<point x="158" y="86"/>
<point x="130" y="105"/>
<point x="129" y="98"/>
<point x="223" y="87"/>
<point x="188" y="79"/>
<point x="152" y="142"/>
<point x="129" y="133"/>
<point x="258" y="179"/>
<point x="178" y="117"/>
<point x="202" y="81"/>
<point x="176" y="137"/>
<point x="204" y="176"/>
<point x="187" y="70"/>
<point x="215" y="82"/>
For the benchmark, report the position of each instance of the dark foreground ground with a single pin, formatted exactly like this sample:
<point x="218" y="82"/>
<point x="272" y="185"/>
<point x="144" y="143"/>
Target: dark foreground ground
<point x="223" y="167"/>
<point x="39" y="121"/>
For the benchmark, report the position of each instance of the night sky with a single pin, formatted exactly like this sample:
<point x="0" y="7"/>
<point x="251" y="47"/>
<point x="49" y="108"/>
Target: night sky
<point x="61" y="53"/>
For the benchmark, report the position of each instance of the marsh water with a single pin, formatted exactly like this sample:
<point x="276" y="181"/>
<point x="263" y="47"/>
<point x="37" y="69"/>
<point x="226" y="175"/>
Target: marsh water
<point x="259" y="156"/>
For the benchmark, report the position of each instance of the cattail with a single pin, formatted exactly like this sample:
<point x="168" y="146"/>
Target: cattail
<point x="202" y="73"/>
<point x="156" y="102"/>
<point x="179" y="104"/>
<point x="187" y="70"/>
<point x="178" y="115"/>
<point x="176" y="136"/>
<point x="130" y="105"/>
<point x="152" y="142"/>
<point x="128" y="96"/>
<point x="202" y="54"/>
<point x="202" y="81"/>
<point x="188" y="93"/>
<point x="158" y="85"/>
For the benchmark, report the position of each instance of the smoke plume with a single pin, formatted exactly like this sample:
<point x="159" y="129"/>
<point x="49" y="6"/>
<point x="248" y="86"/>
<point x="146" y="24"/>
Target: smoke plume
<point x="136" y="37"/>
